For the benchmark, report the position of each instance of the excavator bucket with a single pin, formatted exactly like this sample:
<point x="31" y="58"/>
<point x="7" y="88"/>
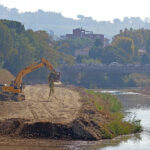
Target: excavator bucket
<point x="53" y="77"/>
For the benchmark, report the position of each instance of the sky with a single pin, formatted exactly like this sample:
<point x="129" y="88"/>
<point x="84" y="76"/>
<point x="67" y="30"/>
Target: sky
<point x="97" y="9"/>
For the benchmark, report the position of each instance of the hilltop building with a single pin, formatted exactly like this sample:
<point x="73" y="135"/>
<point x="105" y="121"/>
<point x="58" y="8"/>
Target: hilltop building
<point x="82" y="33"/>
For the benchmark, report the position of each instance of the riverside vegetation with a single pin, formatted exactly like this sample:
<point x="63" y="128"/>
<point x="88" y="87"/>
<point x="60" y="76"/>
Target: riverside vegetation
<point x="110" y="106"/>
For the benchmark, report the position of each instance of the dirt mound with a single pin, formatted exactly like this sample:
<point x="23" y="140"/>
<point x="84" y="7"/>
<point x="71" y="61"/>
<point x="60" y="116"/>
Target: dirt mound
<point x="5" y="76"/>
<point x="68" y="114"/>
<point x="74" y="130"/>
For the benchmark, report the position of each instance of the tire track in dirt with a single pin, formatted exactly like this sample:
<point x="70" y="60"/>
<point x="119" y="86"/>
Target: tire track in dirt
<point x="32" y="111"/>
<point x="47" y="109"/>
<point x="62" y="107"/>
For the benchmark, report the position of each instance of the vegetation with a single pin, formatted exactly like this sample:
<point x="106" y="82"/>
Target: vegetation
<point x="69" y="46"/>
<point x="124" y="48"/>
<point x="110" y="102"/>
<point x="118" y="127"/>
<point x="111" y="107"/>
<point x="20" y="48"/>
<point x="87" y="60"/>
<point x="99" y="79"/>
<point x="136" y="79"/>
<point x="128" y="47"/>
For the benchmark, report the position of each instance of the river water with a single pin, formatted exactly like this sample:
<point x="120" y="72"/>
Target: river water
<point x="135" y="106"/>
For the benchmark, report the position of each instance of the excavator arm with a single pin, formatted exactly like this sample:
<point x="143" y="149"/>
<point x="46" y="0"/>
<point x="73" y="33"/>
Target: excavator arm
<point x="18" y="81"/>
<point x="16" y="85"/>
<point x="31" y="68"/>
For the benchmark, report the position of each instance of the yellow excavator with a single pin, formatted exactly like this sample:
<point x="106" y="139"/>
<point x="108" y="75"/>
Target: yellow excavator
<point x="14" y="91"/>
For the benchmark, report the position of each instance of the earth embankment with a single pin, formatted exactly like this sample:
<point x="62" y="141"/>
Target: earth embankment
<point x="67" y="114"/>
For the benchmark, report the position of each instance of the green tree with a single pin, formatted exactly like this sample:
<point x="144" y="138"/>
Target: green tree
<point x="6" y="42"/>
<point x="125" y="43"/>
<point x="99" y="43"/>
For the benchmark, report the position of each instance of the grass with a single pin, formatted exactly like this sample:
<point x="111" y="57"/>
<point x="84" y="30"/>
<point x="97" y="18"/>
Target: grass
<point x="118" y="127"/>
<point x="115" y="105"/>
<point x="112" y="101"/>
<point x="110" y="105"/>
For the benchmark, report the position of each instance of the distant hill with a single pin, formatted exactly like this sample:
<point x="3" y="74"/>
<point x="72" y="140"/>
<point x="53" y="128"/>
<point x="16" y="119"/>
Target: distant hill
<point x="51" y="21"/>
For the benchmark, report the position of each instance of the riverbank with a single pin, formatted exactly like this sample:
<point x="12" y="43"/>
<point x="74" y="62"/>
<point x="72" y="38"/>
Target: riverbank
<point x="115" y="125"/>
<point x="144" y="91"/>
<point x="71" y="113"/>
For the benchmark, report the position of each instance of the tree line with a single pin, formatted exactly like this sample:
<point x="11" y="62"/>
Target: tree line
<point x="127" y="47"/>
<point x="20" y="48"/>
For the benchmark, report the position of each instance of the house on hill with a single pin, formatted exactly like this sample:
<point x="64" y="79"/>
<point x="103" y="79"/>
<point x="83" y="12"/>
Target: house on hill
<point x="82" y="33"/>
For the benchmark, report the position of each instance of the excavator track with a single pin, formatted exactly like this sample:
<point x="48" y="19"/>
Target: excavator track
<point x="10" y="96"/>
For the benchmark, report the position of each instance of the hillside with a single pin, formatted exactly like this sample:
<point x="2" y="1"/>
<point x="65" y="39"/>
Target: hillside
<point x="20" y="48"/>
<point x="57" y="23"/>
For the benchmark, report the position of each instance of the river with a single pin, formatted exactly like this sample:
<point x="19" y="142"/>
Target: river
<point x="135" y="106"/>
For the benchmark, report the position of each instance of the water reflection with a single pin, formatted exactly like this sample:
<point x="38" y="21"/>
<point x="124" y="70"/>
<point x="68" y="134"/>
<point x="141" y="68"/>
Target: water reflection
<point x="133" y="143"/>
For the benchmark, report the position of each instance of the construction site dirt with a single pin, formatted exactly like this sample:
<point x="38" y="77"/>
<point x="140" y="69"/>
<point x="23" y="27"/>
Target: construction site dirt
<point x="67" y="115"/>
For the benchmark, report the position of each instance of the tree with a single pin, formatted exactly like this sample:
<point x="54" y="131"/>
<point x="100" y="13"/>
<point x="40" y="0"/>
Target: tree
<point x="20" y="48"/>
<point x="6" y="42"/>
<point x="99" y="43"/>
<point x="96" y="52"/>
<point x="125" y="43"/>
<point x="145" y="59"/>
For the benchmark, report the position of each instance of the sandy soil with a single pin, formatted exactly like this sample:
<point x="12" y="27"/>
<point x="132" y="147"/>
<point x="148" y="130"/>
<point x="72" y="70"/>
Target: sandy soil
<point x="70" y="113"/>
<point x="8" y="143"/>
<point x="62" y="107"/>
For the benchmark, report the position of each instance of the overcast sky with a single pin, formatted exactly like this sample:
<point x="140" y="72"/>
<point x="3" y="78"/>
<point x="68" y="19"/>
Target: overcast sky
<point x="97" y="9"/>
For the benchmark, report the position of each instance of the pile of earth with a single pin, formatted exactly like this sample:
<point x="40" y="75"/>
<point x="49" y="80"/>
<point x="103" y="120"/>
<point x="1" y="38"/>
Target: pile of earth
<point x="5" y="76"/>
<point x="70" y="113"/>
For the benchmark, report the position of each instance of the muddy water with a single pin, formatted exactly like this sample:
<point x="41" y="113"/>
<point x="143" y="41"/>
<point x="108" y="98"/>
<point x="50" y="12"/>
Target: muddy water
<point x="135" y="106"/>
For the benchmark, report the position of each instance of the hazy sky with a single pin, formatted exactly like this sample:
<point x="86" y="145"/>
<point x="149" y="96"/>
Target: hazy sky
<point x="98" y="9"/>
